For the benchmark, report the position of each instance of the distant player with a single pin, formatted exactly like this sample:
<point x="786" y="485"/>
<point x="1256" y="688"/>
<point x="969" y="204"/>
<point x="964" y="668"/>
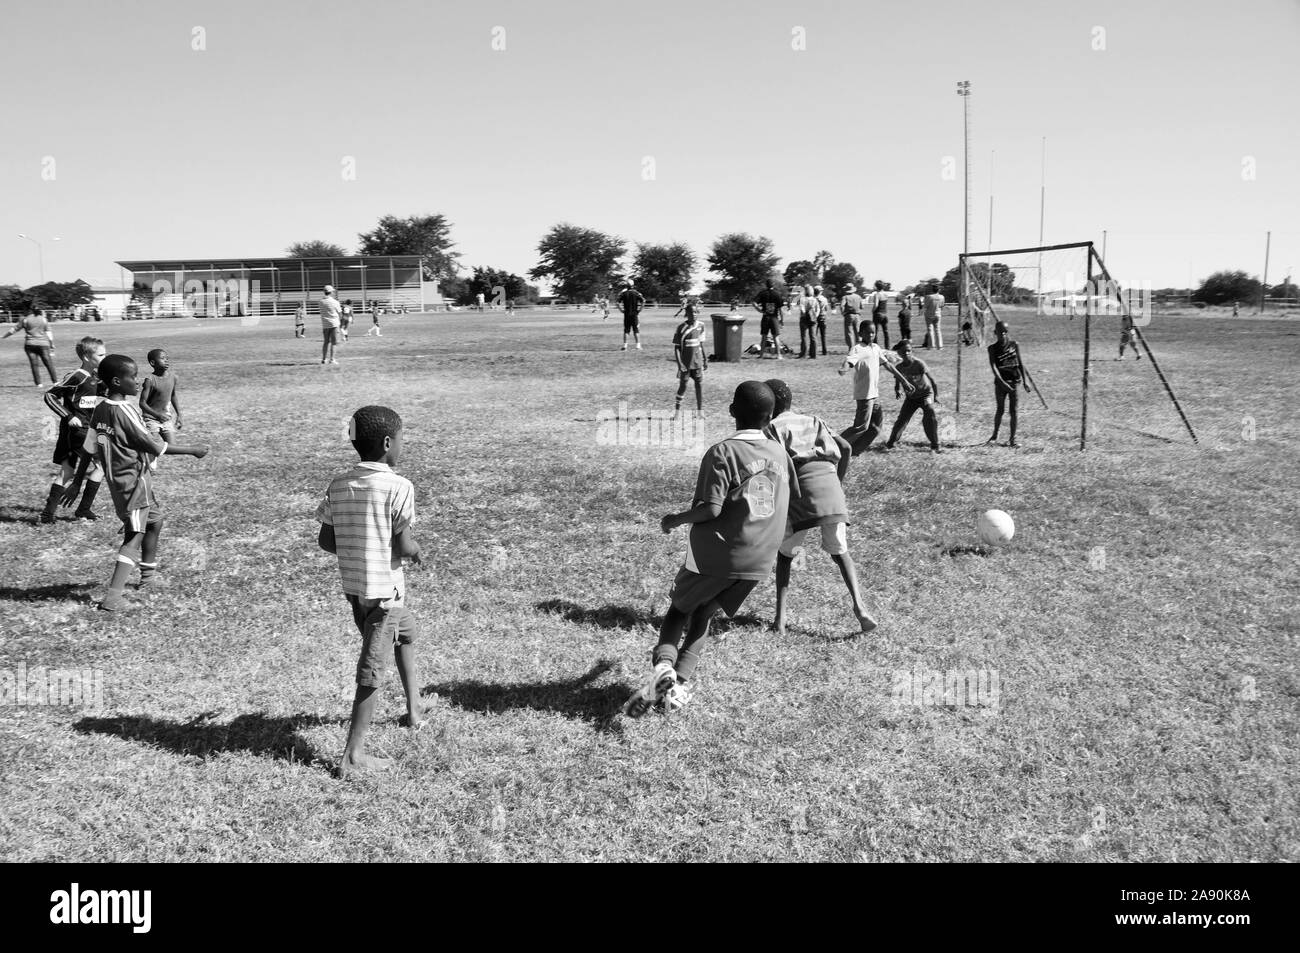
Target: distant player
<point x="74" y="400"/>
<point x="331" y="316"/>
<point x="300" y="321"/>
<point x="737" y="523"/>
<point x="905" y="318"/>
<point x="374" y="318"/>
<point x="688" y="351"/>
<point x="121" y="444"/>
<point x="851" y="309"/>
<point x="821" y="461"/>
<point x="38" y="344"/>
<point x="769" y="304"/>
<point x="631" y="302"/>
<point x="366" y="520"/>
<point x="158" y="397"/>
<point x="1128" y="338"/>
<point x="823" y="309"/>
<point x="806" y="306"/>
<point x="878" y="302"/>
<point x="922" y="392"/>
<point x="1008" y="374"/>
<point x="932" y="308"/>
<point x="866" y="358"/>
<point x="345" y="318"/>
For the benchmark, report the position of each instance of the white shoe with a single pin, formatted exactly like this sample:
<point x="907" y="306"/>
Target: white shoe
<point x="333" y="362"/>
<point x="661" y="680"/>
<point x="623" y="348"/>
<point x="677" y="697"/>
<point x="638" y="347"/>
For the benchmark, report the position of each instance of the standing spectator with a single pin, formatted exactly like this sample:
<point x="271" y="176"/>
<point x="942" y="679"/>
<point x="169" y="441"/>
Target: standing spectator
<point x="631" y="301"/>
<point x="300" y="321"/>
<point x="878" y="301"/>
<point x="823" y="309"/>
<point x="850" y="308"/>
<point x="933" y="308"/>
<point x="769" y="305"/>
<point x="905" y="318"/>
<point x="38" y="344"/>
<point x="805" y="305"/>
<point x="331" y="316"/>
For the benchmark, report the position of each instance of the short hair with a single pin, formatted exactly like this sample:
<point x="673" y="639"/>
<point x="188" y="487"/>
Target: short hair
<point x="1000" y="327"/>
<point x="88" y="344"/>
<point x="368" y="428"/>
<point x="781" y="393"/>
<point x="880" y="286"/>
<point x="155" y="353"/>
<point x="865" y="329"/>
<point x="115" y="365"/>
<point x="752" y="404"/>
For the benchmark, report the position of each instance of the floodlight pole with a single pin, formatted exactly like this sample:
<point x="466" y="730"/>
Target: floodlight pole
<point x="1263" y="285"/>
<point x="963" y="90"/>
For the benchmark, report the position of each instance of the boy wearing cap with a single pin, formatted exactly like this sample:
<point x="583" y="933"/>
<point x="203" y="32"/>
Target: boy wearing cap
<point x="737" y="523"/>
<point x="331" y="316"/>
<point x="366" y="519"/>
<point x="1008" y="371"/>
<point x="821" y="461"/>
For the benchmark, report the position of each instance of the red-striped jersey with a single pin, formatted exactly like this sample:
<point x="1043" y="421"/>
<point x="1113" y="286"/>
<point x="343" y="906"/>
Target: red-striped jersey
<point x="74" y="398"/>
<point x="126" y="450"/>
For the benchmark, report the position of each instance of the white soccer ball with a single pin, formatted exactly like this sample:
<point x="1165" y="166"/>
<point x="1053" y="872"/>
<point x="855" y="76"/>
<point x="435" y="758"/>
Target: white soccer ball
<point x="996" y="527"/>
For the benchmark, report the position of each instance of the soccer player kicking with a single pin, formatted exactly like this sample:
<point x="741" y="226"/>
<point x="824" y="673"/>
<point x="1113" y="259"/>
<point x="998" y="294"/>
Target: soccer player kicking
<point x="119" y="441"/>
<point x="866" y="360"/>
<point x="1008" y="371"/>
<point x="737" y="522"/>
<point x="821" y="460"/>
<point x="688" y="351"/>
<point x="922" y="395"/>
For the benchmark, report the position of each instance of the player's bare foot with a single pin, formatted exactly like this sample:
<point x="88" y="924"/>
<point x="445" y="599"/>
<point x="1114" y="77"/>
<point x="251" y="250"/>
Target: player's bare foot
<point x="866" y="622"/>
<point x="362" y="762"/>
<point x="778" y="628"/>
<point x="419" y="721"/>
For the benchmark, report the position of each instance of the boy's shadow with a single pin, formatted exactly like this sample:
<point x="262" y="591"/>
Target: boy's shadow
<point x="200" y="737"/>
<point x="18" y="514"/>
<point x="967" y="551"/>
<point x="62" y="590"/>
<point x="608" y="616"/>
<point x="576" y="697"/>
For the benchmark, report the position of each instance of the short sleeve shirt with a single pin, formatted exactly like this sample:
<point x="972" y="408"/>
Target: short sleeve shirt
<point x="852" y="304"/>
<point x="631" y="301"/>
<point x="368" y="506"/>
<point x="933" y="307"/>
<point x="915" y="371"/>
<point x="751" y="478"/>
<point x="119" y="440"/>
<point x="1006" y="358"/>
<point x="36" y="331"/>
<point x="865" y="360"/>
<point x="689" y="339"/>
<point x="769" y="302"/>
<point x="331" y="312"/>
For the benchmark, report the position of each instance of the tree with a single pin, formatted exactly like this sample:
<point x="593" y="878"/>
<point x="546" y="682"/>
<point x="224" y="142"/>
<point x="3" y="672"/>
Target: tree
<point x="664" y="271"/>
<point x="61" y="294"/>
<point x="1286" y="291"/>
<point x="315" y="249"/>
<point x="821" y="261"/>
<point x="840" y="275"/>
<point x="998" y="284"/>
<point x="580" y="262"/>
<point x="742" y="263"/>
<point x="428" y="236"/>
<point x="1224" y="287"/>
<point x="15" y="300"/>
<point x="801" y="273"/>
<point x="486" y="281"/>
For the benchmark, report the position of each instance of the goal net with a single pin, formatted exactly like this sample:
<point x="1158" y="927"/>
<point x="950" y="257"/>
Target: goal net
<point x="1084" y="340"/>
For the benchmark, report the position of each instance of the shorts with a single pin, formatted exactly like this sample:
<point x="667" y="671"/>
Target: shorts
<point x="160" y="429"/>
<point x="771" y="326"/>
<point x="68" y="445"/>
<point x="137" y="521"/>
<point x="691" y="590"/>
<point x="835" y="539"/>
<point x="631" y="323"/>
<point x="331" y="335"/>
<point x="694" y="373"/>
<point x="381" y="623"/>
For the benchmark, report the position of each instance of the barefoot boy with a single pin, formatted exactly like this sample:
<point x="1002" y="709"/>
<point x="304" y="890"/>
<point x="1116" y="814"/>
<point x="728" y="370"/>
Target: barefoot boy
<point x="366" y="521"/>
<point x="128" y="453"/>
<point x="158" y="397"/>
<point x="737" y="522"/>
<point x="74" y="399"/>
<point x="821" y="460"/>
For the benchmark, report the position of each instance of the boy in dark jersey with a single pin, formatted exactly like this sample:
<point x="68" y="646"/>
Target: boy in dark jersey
<point x="74" y="399"/>
<point x="688" y="351"/>
<point x="631" y="302"/>
<point x="821" y="460"/>
<point x="128" y="452"/>
<point x="158" y="397"/>
<point x="905" y="318"/>
<point x="737" y="523"/>
<point x="922" y="396"/>
<point x="1008" y="372"/>
<point x="769" y="305"/>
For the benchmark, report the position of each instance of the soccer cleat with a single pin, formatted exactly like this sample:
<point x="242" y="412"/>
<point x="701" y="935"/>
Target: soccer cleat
<point x="677" y="697"/>
<point x="648" y="695"/>
<point x="638" y="346"/>
<point x="153" y="583"/>
<point x="623" y="348"/>
<point x="114" y="602"/>
<point x="47" y="518"/>
<point x="334" y="362"/>
<point x="88" y="515"/>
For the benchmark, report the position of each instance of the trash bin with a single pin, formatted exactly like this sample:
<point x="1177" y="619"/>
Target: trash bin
<point x="727" y="332"/>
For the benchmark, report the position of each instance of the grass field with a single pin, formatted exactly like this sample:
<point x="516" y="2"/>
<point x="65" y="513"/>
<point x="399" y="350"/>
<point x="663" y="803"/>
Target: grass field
<point x="1142" y="626"/>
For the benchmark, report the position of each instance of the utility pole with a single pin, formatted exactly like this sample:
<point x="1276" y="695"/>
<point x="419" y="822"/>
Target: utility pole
<point x="1263" y="285"/>
<point x="963" y="90"/>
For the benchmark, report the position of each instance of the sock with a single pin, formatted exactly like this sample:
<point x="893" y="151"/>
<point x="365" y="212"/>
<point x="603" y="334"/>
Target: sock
<point x="88" y="496"/>
<point x="122" y="570"/>
<point x="52" y="500"/>
<point x="147" y="570"/>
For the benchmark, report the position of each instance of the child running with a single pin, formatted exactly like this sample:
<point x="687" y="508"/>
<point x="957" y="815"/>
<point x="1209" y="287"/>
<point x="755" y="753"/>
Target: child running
<point x="737" y="523"/>
<point x="366" y="519"/>
<point x="688" y="351"/>
<point x="821" y="461"/>
<point x="74" y="399"/>
<point x="922" y="392"/>
<point x="128" y="453"/>
<point x="866" y="360"/>
<point x="158" y="397"/>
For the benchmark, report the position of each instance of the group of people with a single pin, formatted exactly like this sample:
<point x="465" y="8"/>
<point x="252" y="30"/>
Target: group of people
<point x="336" y="322"/>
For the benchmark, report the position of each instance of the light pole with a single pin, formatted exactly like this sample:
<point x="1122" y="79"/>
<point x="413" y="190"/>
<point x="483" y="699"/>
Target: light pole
<point x="40" y="252"/>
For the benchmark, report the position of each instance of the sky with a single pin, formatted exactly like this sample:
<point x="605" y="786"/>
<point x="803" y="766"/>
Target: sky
<point x="145" y="129"/>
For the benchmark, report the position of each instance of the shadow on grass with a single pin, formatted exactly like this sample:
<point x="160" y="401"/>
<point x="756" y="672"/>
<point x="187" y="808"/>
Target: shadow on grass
<point x="967" y="551"/>
<point x="258" y="734"/>
<point x="18" y="514"/>
<point x="571" y="697"/>
<point x="607" y="616"/>
<point x="62" y="590"/>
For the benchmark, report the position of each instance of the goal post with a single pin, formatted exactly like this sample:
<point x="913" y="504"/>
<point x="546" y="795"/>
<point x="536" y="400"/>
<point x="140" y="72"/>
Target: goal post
<point x="1063" y="294"/>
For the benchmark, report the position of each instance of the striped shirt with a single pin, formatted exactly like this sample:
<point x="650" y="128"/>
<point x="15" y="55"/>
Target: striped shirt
<point x="368" y="507"/>
<point x="689" y="341"/>
<point x="804" y="437"/>
<point x="74" y="397"/>
<point x="119" y="440"/>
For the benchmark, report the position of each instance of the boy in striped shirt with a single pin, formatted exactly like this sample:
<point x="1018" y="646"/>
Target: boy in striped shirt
<point x="821" y="460"/>
<point x="688" y="350"/>
<point x="74" y="399"/>
<point x="366" y="521"/>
